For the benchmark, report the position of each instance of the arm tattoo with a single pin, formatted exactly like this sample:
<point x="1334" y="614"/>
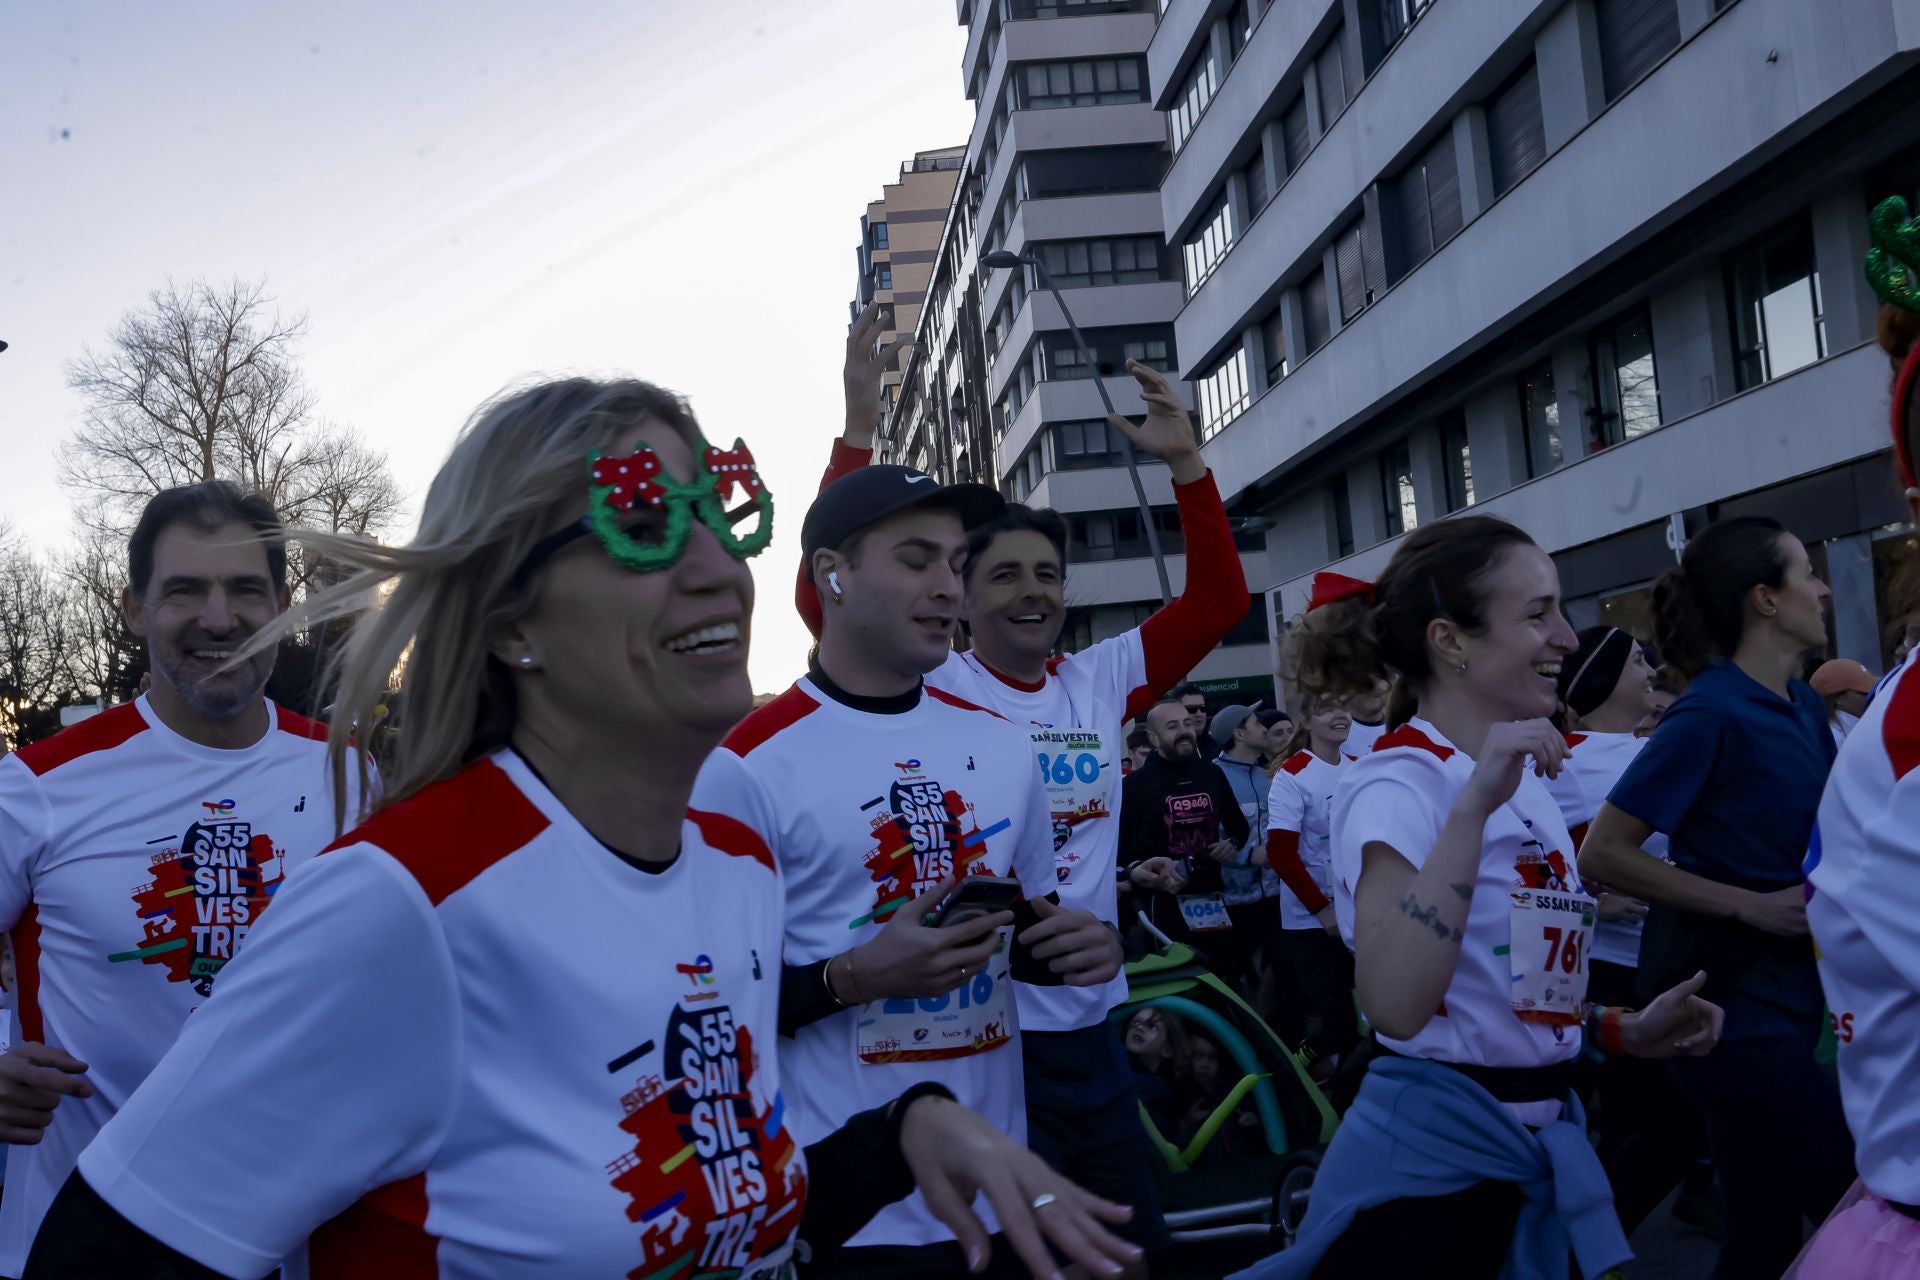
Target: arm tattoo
<point x="1464" y="890"/>
<point x="1429" y="916"/>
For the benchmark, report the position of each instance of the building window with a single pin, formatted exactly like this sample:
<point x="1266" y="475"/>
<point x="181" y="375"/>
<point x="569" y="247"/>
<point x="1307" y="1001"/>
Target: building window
<point x="1342" y="518"/>
<point x="1626" y="390"/>
<point x="1427" y="197"/>
<point x="1331" y="65"/>
<point x="1779" y="321"/>
<point x="1098" y="82"/>
<point x="1088" y="171"/>
<point x="1273" y="346"/>
<point x="1078" y="446"/>
<point x="1151" y="345"/>
<point x="879" y="234"/>
<point x="1239" y="27"/>
<point x="1026" y="474"/>
<point x="1316" y="322"/>
<point x="1194" y="95"/>
<point x="1254" y="174"/>
<point x="1356" y="256"/>
<point x="1396" y="16"/>
<point x="1540" y="411"/>
<point x="1223" y="393"/>
<point x="1634" y="36"/>
<point x="1293" y="128"/>
<point x="1516" y="131"/>
<point x="1459" y="460"/>
<point x="1396" y="484"/>
<point x="1203" y="251"/>
<point x="883" y="276"/>
<point x="1079" y="264"/>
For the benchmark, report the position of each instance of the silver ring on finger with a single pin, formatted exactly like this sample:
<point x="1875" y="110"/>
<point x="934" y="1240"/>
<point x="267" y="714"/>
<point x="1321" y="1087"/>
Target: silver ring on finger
<point x="1042" y="1200"/>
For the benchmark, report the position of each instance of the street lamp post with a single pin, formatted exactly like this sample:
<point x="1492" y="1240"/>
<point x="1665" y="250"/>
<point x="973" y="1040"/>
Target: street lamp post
<point x="1004" y="259"/>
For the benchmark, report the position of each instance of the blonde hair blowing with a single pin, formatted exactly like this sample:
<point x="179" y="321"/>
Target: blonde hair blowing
<point x="519" y="463"/>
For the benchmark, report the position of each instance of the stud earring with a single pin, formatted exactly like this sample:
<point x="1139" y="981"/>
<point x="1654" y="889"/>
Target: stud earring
<point x="526" y="660"/>
<point x="1463" y="666"/>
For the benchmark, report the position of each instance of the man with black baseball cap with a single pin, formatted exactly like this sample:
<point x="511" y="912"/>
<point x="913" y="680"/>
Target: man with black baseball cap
<point x="878" y="796"/>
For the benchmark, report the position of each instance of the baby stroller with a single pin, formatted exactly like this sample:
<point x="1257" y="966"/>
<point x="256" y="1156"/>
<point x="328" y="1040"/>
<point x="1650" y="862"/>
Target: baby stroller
<point x="1232" y="1209"/>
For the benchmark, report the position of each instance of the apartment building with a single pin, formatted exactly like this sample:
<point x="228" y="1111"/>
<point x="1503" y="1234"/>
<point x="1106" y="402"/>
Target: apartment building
<point x="1590" y="265"/>
<point x="899" y="239"/>
<point x="1064" y="166"/>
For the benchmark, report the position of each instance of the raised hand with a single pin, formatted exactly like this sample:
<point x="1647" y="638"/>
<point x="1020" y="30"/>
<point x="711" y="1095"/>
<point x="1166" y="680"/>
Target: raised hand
<point x="1509" y="745"/>
<point x="867" y="362"/>
<point x="1167" y="433"/>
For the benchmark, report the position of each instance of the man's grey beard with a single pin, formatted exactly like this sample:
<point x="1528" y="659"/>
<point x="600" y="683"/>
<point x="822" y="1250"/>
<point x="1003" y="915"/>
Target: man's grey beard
<point x="224" y="701"/>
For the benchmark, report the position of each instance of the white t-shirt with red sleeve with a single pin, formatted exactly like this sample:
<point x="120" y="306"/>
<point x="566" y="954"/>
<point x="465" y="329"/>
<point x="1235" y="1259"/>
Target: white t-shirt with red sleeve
<point x="865" y="811"/>
<point x="1594" y="763"/>
<point x="1076" y="723"/>
<point x="474" y="1042"/>
<point x="1301" y="800"/>
<point x="1864" y="870"/>
<point x="134" y="863"/>
<point x="1400" y="794"/>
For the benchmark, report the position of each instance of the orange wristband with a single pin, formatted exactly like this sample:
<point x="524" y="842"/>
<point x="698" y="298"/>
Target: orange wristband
<point x="1610" y="1038"/>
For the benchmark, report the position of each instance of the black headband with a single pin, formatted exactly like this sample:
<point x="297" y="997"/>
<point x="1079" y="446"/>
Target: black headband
<point x="1594" y="668"/>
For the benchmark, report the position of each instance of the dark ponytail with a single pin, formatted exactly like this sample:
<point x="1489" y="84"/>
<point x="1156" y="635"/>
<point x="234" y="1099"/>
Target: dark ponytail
<point x="1699" y="608"/>
<point x="1343" y="648"/>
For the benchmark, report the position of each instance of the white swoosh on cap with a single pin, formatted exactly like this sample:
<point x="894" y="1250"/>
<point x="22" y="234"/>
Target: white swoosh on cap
<point x="917" y="479"/>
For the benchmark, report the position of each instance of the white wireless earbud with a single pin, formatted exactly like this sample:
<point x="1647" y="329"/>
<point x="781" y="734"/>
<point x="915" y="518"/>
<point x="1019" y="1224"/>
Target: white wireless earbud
<point x="833" y="583"/>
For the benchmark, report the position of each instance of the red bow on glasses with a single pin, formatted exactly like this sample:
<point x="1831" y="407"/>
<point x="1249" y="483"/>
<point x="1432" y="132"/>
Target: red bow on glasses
<point x="730" y="465"/>
<point x="630" y="479"/>
<point x="1331" y="588"/>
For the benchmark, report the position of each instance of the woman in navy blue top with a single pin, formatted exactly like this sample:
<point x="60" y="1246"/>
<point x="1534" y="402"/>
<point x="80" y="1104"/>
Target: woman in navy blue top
<point x="1733" y="776"/>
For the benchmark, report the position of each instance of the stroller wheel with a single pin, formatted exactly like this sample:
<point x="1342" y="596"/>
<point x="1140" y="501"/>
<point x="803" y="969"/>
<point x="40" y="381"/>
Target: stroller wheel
<point x="1292" y="1189"/>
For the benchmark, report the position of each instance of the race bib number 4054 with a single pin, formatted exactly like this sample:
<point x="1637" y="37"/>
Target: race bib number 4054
<point x="1547" y="948"/>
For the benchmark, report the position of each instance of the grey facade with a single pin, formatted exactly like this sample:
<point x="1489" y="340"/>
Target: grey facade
<point x="1590" y="265"/>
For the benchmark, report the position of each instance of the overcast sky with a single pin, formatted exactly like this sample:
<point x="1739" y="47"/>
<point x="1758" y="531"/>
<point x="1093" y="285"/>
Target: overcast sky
<point x="461" y="195"/>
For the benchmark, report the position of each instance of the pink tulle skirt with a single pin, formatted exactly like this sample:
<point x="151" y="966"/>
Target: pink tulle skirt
<point x="1862" y="1238"/>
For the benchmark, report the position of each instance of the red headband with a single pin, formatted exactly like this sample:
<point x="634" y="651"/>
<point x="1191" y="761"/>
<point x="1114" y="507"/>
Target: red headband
<point x="1903" y="389"/>
<point x="1330" y="588"/>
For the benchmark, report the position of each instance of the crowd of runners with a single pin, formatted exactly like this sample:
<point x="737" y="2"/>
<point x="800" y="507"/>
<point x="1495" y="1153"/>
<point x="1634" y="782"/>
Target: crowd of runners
<point x="606" y="972"/>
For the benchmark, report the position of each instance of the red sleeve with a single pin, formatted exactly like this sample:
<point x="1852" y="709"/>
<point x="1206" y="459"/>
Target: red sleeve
<point x="1283" y="855"/>
<point x="1180" y="634"/>
<point x="846" y="458"/>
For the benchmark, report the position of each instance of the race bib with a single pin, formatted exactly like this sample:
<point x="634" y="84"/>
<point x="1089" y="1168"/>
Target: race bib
<point x="971" y="1019"/>
<point x="1074" y="767"/>
<point x="1204" y="911"/>
<point x="1548" y="936"/>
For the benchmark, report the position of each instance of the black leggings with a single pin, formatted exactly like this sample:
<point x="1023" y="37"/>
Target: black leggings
<point x="1462" y="1236"/>
<point x="1313" y="974"/>
<point x="1780" y="1145"/>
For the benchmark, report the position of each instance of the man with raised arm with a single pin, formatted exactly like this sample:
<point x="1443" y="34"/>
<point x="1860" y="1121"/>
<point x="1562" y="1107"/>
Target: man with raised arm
<point x="1081" y="1110"/>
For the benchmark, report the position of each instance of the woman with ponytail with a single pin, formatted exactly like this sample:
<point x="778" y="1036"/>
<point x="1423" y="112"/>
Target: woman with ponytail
<point x="1453" y="882"/>
<point x="1864" y="870"/>
<point x="1732" y="778"/>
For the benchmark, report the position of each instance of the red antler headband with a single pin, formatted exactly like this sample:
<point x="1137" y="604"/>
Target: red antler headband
<point x="1330" y="588"/>
<point x="1892" y="266"/>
